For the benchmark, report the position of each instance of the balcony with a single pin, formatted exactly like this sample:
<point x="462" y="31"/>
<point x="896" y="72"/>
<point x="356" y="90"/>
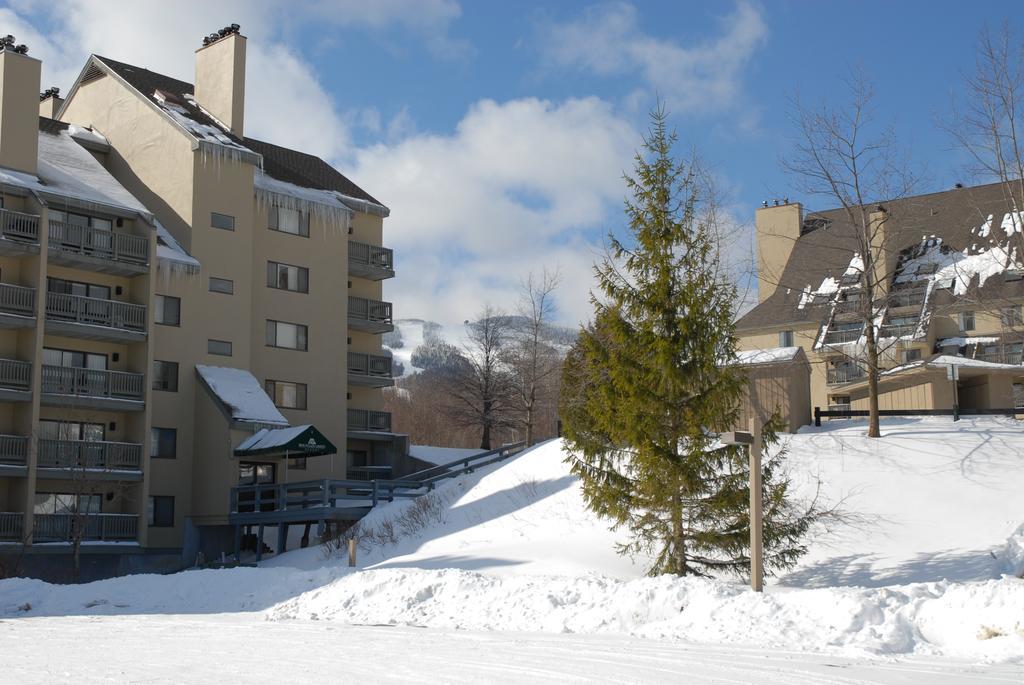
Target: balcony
<point x="1014" y="358"/>
<point x="369" y="316"/>
<point x="95" y="318"/>
<point x="19" y="233"/>
<point x="103" y="460"/>
<point x="369" y="370"/>
<point x="74" y="387"/>
<point x="843" y="374"/>
<point x="372" y="262"/>
<point x="97" y="249"/>
<point x="11" y="525"/>
<point x="843" y="335"/>
<point x="909" y="298"/>
<point x="58" y="527"/>
<point x="368" y="421"/>
<point x="15" y="381"/>
<point x="897" y="330"/>
<point x="17" y="306"/>
<point x="13" y="455"/>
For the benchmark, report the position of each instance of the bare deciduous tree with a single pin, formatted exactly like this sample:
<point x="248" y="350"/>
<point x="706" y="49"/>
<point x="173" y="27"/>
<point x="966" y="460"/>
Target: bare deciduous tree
<point x="841" y="155"/>
<point x="482" y="392"/>
<point x="534" y="362"/>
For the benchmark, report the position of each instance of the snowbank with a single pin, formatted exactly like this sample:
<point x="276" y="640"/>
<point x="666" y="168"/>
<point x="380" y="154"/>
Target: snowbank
<point x="980" y="621"/>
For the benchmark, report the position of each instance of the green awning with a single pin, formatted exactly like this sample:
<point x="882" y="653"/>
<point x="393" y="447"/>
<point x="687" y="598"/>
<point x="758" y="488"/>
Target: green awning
<point x="296" y="441"/>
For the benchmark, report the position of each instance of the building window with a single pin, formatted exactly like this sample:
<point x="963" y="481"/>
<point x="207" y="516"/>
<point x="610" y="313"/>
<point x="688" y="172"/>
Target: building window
<point x="298" y="463"/>
<point x="221" y="347"/>
<point x="222" y="285"/>
<point x="160" y="512"/>
<point x="785" y="338"/>
<point x="287" y="395"/>
<point x="81" y="220"/>
<point x="163" y="443"/>
<point x="165" y="376"/>
<point x="65" y="287"/>
<point x="222" y="221"/>
<point x="50" y="429"/>
<point x="1012" y="316"/>
<point x="287" y="277"/>
<point x="167" y="310"/>
<point x="292" y="336"/>
<point x="911" y="355"/>
<point x="256" y="474"/>
<point x="66" y="503"/>
<point x="966" y="321"/>
<point x="1018" y="395"/>
<point x="74" y="359"/>
<point x="288" y="221"/>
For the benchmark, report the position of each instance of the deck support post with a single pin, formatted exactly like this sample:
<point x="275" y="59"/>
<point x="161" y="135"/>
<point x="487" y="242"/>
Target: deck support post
<point x="282" y="538"/>
<point x="238" y="544"/>
<point x="259" y="544"/>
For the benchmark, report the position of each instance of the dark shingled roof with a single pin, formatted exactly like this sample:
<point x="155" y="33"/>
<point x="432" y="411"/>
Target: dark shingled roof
<point x="952" y="215"/>
<point x="284" y="164"/>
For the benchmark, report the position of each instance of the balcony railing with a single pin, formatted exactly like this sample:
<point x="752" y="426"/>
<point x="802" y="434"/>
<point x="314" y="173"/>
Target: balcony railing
<point x="369" y="420"/>
<point x="1002" y="357"/>
<point x="15" y="299"/>
<point x="15" y="375"/>
<point x="13" y="450"/>
<point x="19" y="226"/>
<point x="906" y="299"/>
<point x="897" y="331"/>
<point x="838" y="337"/>
<point x="363" y="309"/>
<point x="59" y="527"/>
<point x="844" y="374"/>
<point x="377" y="365"/>
<point x="70" y="380"/>
<point x="11" y="525"/>
<point x="97" y="242"/>
<point x="96" y="311"/>
<point x="373" y="256"/>
<point x="87" y="454"/>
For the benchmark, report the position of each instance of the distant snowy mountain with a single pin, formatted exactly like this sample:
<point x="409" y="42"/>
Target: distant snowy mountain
<point x="409" y="334"/>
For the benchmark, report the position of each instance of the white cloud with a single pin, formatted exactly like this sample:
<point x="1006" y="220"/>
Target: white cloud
<point x="518" y="185"/>
<point x="705" y="76"/>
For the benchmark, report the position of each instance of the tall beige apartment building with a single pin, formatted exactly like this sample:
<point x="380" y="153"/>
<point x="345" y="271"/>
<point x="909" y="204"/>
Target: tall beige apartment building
<point x="180" y="307"/>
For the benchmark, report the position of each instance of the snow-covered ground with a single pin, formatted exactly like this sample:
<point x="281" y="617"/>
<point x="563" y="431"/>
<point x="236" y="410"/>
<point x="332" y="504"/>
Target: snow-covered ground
<point x="506" y="576"/>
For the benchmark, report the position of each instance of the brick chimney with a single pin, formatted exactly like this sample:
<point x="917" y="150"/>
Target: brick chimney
<point x="19" y="115"/>
<point x="220" y="77"/>
<point x="50" y="102"/>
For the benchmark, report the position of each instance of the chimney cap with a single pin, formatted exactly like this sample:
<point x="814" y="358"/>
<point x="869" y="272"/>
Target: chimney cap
<point x="228" y="30"/>
<point x="51" y="92"/>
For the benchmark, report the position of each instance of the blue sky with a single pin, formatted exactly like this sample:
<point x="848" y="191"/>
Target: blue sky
<point x="497" y="132"/>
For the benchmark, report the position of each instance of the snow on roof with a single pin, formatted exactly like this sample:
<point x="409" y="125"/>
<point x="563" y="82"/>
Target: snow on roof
<point x="68" y="170"/>
<point x="943" y="360"/>
<point x="242" y="394"/>
<point x="770" y="355"/>
<point x="959" y="268"/>
<point x="170" y="252"/>
<point x="205" y="132"/>
<point x="316" y="201"/>
<point x="268" y="438"/>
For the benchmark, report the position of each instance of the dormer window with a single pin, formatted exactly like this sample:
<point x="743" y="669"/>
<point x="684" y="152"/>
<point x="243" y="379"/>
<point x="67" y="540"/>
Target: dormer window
<point x="849" y="279"/>
<point x="927" y="269"/>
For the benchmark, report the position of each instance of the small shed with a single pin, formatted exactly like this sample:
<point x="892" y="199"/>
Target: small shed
<point x="778" y="379"/>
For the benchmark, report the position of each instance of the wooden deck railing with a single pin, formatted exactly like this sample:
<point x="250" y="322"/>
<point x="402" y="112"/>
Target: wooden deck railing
<point x="70" y="380"/>
<point x="15" y="375"/>
<point x="329" y="493"/>
<point x="15" y="299"/>
<point x="13" y="450"/>
<point x="59" y="527"/>
<point x="369" y="420"/>
<point x="19" y="226"/>
<point x="378" y="365"/>
<point x="96" y="311"/>
<point x="844" y="374"/>
<point x="88" y="454"/>
<point x="371" y="255"/>
<point x="96" y="242"/>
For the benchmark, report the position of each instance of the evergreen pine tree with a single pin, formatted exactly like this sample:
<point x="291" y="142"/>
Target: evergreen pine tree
<point x="645" y="383"/>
